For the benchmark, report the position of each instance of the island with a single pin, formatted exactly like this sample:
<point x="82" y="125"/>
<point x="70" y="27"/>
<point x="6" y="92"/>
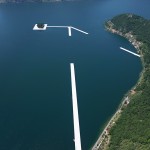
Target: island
<point x="40" y="25"/>
<point x="129" y="128"/>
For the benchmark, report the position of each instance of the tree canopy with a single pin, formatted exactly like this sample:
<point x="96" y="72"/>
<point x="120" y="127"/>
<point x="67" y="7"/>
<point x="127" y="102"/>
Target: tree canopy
<point x="40" y="25"/>
<point x="132" y="130"/>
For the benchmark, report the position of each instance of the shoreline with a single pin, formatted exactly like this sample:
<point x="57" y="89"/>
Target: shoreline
<point x="104" y="138"/>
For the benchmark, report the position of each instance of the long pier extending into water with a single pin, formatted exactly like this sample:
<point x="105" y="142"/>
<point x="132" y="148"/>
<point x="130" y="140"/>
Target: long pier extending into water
<point x="57" y="26"/>
<point x="68" y="27"/>
<point x="79" y="30"/>
<point x="77" y="138"/>
<point x="130" y="52"/>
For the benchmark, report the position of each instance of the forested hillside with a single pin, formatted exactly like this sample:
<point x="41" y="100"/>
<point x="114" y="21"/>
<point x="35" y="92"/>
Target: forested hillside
<point x="132" y="130"/>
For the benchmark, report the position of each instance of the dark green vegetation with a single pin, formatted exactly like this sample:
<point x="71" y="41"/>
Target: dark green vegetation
<point x="132" y="130"/>
<point x="40" y="25"/>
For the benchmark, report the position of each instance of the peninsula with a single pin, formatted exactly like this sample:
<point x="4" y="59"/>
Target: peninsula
<point x="129" y="127"/>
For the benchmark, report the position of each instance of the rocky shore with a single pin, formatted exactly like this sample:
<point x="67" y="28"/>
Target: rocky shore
<point x="129" y="36"/>
<point x="104" y="139"/>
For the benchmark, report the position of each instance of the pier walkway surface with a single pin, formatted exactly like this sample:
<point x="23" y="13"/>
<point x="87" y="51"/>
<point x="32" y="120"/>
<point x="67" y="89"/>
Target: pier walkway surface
<point x="130" y="52"/>
<point x="77" y="138"/>
<point x="68" y="27"/>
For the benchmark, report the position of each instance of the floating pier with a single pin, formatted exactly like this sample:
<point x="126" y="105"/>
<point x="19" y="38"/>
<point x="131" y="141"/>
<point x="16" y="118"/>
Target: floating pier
<point x="57" y="26"/>
<point x="130" y="52"/>
<point x="77" y="138"/>
<point x="69" y="31"/>
<point x="68" y="27"/>
<point x="79" y="30"/>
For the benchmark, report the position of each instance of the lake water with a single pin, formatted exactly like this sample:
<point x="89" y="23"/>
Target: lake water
<point x="35" y="84"/>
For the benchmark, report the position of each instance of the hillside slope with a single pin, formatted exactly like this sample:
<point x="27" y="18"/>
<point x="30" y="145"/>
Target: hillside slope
<point x="132" y="129"/>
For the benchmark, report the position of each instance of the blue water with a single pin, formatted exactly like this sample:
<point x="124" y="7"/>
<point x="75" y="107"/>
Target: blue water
<point x="35" y="85"/>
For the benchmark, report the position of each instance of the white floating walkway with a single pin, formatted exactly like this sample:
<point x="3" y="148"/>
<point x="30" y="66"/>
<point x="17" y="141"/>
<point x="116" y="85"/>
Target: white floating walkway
<point x="79" y="30"/>
<point x="69" y="31"/>
<point x="57" y="26"/>
<point x="130" y="52"/>
<point x="77" y="138"/>
<point x="68" y="27"/>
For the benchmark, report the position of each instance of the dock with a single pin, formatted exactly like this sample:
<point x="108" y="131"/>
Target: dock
<point x="130" y="52"/>
<point x="57" y="26"/>
<point x="77" y="138"/>
<point x="79" y="30"/>
<point x="68" y="27"/>
<point x="69" y="31"/>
